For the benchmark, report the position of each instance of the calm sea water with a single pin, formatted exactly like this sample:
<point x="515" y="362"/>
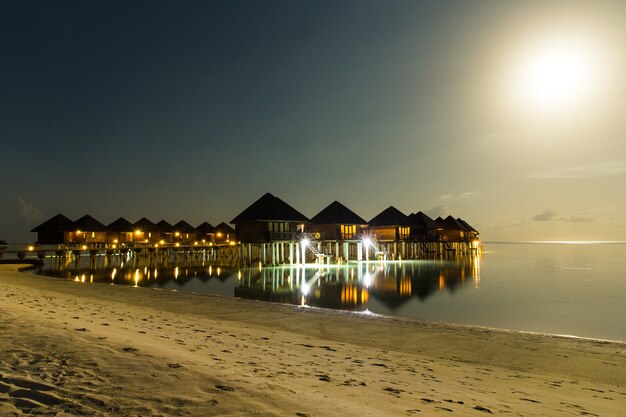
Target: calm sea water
<point x="570" y="289"/>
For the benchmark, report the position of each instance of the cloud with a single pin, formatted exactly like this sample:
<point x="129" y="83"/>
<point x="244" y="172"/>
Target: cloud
<point x="551" y="215"/>
<point x="577" y="218"/>
<point x="544" y="216"/>
<point x="437" y="211"/>
<point x="28" y="212"/>
<point x="600" y="170"/>
<point x="456" y="196"/>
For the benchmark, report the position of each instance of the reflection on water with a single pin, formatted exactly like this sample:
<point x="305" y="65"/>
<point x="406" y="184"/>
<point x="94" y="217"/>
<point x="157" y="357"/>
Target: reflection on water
<point x="348" y="287"/>
<point x="552" y="288"/>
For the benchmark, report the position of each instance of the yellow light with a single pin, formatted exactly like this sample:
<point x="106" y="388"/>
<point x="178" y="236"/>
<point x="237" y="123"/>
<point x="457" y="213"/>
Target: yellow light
<point x="162" y="242"/>
<point x="113" y="246"/>
<point x="203" y="240"/>
<point x="195" y="243"/>
<point x="137" y="232"/>
<point x="78" y="232"/>
<point x="31" y="248"/>
<point x="156" y="245"/>
<point x="232" y="243"/>
<point x="146" y="241"/>
<point x="219" y="234"/>
<point x="177" y="234"/>
<point x="177" y="244"/>
<point x="84" y="247"/>
<point x="115" y="241"/>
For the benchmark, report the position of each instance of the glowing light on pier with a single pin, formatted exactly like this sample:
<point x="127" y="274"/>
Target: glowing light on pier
<point x="31" y="248"/>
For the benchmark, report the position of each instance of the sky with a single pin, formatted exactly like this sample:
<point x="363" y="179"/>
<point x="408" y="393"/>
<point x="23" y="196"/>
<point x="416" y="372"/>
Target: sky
<point x="510" y="115"/>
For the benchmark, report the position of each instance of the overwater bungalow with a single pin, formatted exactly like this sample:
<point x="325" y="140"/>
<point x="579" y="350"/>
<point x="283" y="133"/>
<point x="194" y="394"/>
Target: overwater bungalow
<point x="452" y="230"/>
<point x="337" y="226"/>
<point x="224" y="233"/>
<point x="391" y="225"/>
<point x="184" y="232"/>
<point x="270" y="231"/>
<point x="473" y="233"/>
<point x="389" y="228"/>
<point x="167" y="231"/>
<point x="88" y="230"/>
<point x="423" y="228"/>
<point x="55" y="230"/>
<point x="146" y="231"/>
<point x="206" y="232"/>
<point x="336" y="223"/>
<point x="120" y="231"/>
<point x="269" y="219"/>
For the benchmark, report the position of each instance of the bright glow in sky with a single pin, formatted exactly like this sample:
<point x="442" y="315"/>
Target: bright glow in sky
<point x="557" y="74"/>
<point x="508" y="114"/>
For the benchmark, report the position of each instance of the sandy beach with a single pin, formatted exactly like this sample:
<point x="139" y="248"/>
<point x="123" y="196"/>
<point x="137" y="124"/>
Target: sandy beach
<point x="70" y="348"/>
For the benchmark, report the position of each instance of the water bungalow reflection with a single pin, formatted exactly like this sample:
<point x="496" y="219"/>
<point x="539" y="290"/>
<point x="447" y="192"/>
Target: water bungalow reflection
<point x="351" y="287"/>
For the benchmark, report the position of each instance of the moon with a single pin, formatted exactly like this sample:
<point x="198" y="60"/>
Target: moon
<point x="555" y="75"/>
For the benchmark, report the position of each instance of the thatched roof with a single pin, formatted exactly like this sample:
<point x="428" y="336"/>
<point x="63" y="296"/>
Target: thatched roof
<point x="121" y="225"/>
<point x="58" y="223"/>
<point x="337" y="213"/>
<point x="450" y="223"/>
<point x="391" y="216"/>
<point x="421" y="221"/>
<point x="146" y="225"/>
<point x="165" y="226"/>
<point x="269" y="208"/>
<point x="224" y="228"/>
<point x="89" y="224"/>
<point x="184" y="227"/>
<point x="205" y="228"/>
<point x="466" y="224"/>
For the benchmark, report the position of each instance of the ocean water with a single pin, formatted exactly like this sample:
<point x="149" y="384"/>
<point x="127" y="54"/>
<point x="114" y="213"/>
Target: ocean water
<point x="555" y="288"/>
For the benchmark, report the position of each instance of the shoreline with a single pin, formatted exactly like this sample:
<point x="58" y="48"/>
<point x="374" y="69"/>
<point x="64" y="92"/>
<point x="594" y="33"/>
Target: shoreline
<point x="281" y="359"/>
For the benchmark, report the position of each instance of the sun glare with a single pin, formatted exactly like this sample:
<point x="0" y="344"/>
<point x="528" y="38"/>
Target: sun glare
<point x="556" y="74"/>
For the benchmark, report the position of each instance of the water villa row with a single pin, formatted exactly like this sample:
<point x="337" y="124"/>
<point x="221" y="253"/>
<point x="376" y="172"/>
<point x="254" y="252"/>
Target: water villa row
<point x="271" y="231"/>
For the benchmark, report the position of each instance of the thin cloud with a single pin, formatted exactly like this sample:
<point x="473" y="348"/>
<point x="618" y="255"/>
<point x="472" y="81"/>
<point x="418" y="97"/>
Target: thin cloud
<point x="578" y="218"/>
<point x="604" y="169"/>
<point x="437" y="211"/>
<point x="544" y="216"/>
<point x="446" y="197"/>
<point x="28" y="212"/>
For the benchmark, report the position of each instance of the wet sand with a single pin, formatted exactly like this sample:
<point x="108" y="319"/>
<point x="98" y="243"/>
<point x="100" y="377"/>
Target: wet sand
<point x="69" y="348"/>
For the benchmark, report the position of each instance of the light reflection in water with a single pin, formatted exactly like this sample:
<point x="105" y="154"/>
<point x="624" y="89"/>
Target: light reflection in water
<point x="351" y="286"/>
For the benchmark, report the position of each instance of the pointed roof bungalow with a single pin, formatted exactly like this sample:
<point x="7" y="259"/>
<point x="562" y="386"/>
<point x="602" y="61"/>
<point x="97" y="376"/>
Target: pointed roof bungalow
<point x="268" y="219"/>
<point x="89" y="224"/>
<point x="206" y="232"/>
<point x="471" y="230"/>
<point x="167" y="231"/>
<point x="121" y="225"/>
<point x="88" y="229"/>
<point x="391" y="225"/>
<point x="54" y="230"/>
<point x="145" y="229"/>
<point x="205" y="228"/>
<point x="184" y="232"/>
<point x="423" y="227"/>
<point x="452" y="230"/>
<point x="224" y="233"/>
<point x="337" y="222"/>
<point x="121" y="230"/>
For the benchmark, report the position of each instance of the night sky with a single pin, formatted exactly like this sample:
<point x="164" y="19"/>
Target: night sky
<point x="192" y="110"/>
